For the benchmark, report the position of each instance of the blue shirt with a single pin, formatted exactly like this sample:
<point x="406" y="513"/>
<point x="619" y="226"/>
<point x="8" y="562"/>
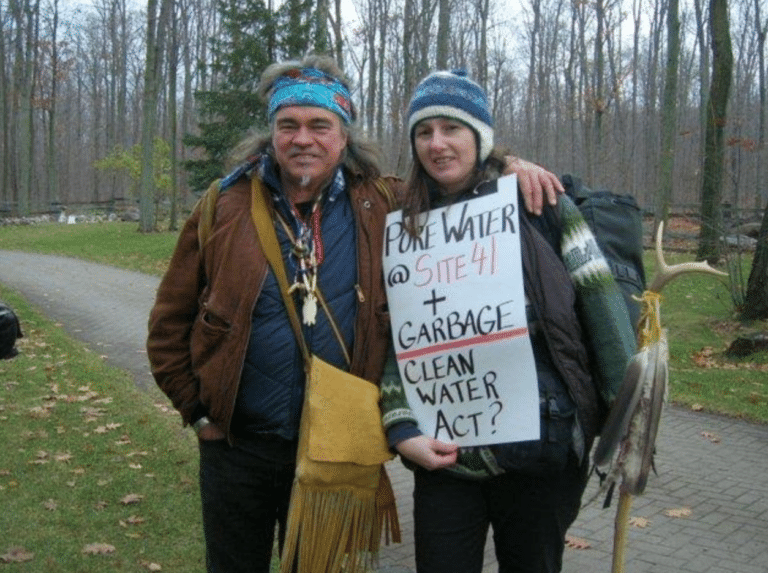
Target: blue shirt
<point x="271" y="391"/>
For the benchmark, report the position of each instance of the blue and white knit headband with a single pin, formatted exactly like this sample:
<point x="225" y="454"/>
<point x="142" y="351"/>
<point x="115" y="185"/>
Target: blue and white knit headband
<point x="311" y="87"/>
<point x="455" y="96"/>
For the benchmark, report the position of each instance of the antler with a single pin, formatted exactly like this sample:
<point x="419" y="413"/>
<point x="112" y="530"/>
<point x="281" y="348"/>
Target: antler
<point x="633" y="422"/>
<point x="666" y="273"/>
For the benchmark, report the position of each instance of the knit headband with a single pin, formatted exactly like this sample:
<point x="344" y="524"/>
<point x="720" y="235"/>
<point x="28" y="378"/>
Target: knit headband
<point x="311" y="87"/>
<point x="453" y="95"/>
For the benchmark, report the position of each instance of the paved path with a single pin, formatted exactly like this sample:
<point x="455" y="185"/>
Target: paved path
<point x="104" y="306"/>
<point x="714" y="467"/>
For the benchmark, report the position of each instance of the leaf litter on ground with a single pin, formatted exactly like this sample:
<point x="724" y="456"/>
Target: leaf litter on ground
<point x="59" y="415"/>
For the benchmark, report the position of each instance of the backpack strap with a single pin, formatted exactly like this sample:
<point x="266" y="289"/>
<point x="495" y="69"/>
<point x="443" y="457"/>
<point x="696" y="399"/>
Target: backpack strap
<point x="265" y="230"/>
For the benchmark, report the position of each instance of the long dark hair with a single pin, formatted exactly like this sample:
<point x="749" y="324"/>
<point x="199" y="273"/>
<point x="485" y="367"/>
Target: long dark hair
<point x="418" y="184"/>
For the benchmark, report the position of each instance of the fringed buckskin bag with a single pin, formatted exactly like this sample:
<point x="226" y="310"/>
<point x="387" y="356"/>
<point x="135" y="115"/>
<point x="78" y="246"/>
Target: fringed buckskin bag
<point x="334" y="517"/>
<point x="342" y="499"/>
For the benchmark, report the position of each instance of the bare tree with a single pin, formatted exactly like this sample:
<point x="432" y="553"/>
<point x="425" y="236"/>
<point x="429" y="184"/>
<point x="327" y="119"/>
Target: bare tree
<point x="756" y="298"/>
<point x="483" y="9"/>
<point x="5" y="171"/>
<point x="712" y="185"/>
<point x="338" y="36"/>
<point x="534" y="31"/>
<point x="631" y="153"/>
<point x="26" y="15"/>
<point x="669" y="115"/>
<point x="572" y="80"/>
<point x="760" y="29"/>
<point x="650" y="96"/>
<point x="566" y="88"/>
<point x="761" y="197"/>
<point x="584" y="110"/>
<point x="702" y="40"/>
<point x="597" y="86"/>
<point x="371" y="14"/>
<point x="443" y="33"/>
<point x="50" y="105"/>
<point x="156" y="28"/>
<point x="322" y="19"/>
<point x="173" y="62"/>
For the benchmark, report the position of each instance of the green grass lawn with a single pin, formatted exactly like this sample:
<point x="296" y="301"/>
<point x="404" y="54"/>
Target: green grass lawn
<point x="119" y="244"/>
<point x="698" y="313"/>
<point x="95" y="474"/>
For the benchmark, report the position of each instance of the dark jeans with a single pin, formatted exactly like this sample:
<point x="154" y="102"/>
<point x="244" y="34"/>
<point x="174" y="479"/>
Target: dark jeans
<point x="244" y="494"/>
<point x="529" y="514"/>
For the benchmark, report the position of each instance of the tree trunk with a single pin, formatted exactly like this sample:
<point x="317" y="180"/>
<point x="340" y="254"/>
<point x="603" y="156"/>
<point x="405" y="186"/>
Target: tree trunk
<point x="632" y="155"/>
<point x="155" y="41"/>
<point x="761" y="197"/>
<point x="532" y="94"/>
<point x="53" y="192"/>
<point x="25" y="126"/>
<point x="5" y="196"/>
<point x="668" y="116"/>
<point x="756" y="299"/>
<point x="482" y="55"/>
<point x="173" y="63"/>
<point x="701" y="40"/>
<point x="443" y="33"/>
<point x="371" y="28"/>
<point x="598" y="94"/>
<point x="338" y="35"/>
<point x="383" y="16"/>
<point x="321" y="28"/>
<point x="712" y="184"/>
<point x="650" y="106"/>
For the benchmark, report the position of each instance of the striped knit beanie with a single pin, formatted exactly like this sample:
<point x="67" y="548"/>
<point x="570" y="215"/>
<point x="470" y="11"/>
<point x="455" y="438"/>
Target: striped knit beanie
<point x="453" y="95"/>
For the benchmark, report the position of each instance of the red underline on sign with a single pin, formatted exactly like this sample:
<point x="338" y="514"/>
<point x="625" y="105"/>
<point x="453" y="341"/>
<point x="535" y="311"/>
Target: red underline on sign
<point x="474" y="341"/>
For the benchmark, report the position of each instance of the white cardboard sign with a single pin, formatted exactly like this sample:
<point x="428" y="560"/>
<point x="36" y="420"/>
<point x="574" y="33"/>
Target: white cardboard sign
<point x="460" y="332"/>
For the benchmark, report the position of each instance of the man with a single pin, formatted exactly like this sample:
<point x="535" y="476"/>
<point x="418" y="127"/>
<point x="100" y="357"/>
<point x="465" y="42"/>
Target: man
<point x="220" y="342"/>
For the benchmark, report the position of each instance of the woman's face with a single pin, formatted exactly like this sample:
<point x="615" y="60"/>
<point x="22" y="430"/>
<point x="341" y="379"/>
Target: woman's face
<point x="447" y="150"/>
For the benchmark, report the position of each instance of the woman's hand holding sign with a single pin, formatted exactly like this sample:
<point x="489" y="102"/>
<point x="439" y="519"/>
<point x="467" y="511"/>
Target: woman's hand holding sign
<point x="428" y="452"/>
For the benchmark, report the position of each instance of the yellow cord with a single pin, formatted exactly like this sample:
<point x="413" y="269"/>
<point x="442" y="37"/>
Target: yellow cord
<point x="649" y="327"/>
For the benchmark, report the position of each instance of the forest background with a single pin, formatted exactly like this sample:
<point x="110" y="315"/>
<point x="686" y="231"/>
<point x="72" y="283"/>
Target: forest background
<point x="115" y="102"/>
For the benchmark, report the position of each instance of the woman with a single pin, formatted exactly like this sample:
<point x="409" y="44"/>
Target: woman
<point x="529" y="492"/>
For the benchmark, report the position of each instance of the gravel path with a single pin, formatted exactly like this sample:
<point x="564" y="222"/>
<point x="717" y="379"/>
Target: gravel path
<point x="104" y="306"/>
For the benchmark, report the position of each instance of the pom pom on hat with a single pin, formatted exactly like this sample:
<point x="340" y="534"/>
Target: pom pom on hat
<point x="453" y="95"/>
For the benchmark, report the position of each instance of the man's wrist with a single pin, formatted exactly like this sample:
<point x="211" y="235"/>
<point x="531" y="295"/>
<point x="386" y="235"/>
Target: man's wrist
<point x="201" y="423"/>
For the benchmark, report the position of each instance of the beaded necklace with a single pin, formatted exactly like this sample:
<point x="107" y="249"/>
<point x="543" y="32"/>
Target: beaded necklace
<point x="308" y="249"/>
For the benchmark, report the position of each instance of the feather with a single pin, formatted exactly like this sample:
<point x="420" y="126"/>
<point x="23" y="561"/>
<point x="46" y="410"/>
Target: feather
<point x="637" y="469"/>
<point x="623" y="408"/>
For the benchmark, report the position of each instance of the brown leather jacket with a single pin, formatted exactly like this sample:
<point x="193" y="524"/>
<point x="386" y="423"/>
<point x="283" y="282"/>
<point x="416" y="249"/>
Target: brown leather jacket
<point x="200" y="324"/>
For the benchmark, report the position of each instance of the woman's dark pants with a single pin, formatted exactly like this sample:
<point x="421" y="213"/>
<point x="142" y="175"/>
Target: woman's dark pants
<point x="529" y="515"/>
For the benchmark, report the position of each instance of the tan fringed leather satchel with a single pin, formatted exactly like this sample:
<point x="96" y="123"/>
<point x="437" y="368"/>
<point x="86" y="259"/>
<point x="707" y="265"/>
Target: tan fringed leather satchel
<point x="342" y="499"/>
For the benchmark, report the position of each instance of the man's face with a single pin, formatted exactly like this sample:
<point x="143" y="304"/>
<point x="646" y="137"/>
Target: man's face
<point x="308" y="142"/>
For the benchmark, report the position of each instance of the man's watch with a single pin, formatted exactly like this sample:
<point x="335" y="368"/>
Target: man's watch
<point x="201" y="423"/>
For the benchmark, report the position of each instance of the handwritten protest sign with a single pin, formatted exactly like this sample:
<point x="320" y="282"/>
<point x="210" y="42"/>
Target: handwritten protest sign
<point x="460" y="332"/>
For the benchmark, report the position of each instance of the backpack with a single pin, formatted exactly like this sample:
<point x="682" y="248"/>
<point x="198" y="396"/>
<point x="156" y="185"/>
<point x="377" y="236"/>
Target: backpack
<point x="10" y="331"/>
<point x="617" y="223"/>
